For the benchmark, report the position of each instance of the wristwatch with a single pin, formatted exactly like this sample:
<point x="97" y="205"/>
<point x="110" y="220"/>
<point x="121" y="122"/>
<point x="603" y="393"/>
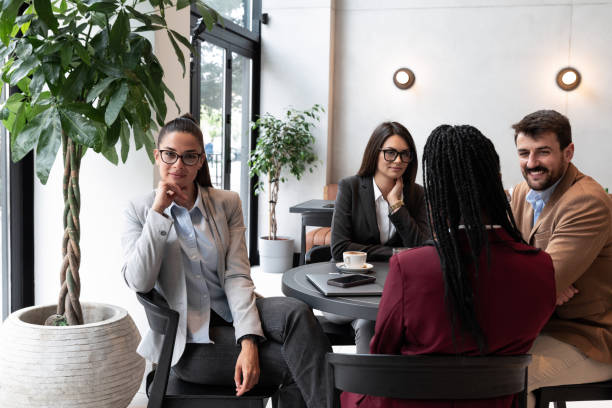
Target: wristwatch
<point x="395" y="206"/>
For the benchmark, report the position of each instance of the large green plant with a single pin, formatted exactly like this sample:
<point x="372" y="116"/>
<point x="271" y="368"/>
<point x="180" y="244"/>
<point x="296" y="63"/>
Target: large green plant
<point x="283" y="144"/>
<point x="83" y="77"/>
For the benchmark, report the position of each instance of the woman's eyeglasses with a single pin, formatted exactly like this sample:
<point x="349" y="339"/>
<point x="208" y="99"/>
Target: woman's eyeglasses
<point x="391" y="154"/>
<point x="189" y="158"/>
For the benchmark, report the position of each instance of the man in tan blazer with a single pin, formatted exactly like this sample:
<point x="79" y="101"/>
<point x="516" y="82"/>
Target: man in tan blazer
<point x="569" y="215"/>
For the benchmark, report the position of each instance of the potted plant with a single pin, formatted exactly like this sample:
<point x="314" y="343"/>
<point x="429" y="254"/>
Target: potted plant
<point x="283" y="144"/>
<point x="83" y="79"/>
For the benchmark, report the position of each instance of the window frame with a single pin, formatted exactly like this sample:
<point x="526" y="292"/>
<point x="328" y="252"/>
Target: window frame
<point x="235" y="39"/>
<point x="18" y="248"/>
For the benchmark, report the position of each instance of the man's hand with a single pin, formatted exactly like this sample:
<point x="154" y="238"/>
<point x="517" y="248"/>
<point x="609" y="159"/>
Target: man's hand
<point x="246" y="374"/>
<point x="566" y="295"/>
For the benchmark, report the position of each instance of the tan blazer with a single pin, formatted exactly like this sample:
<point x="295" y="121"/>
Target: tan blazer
<point x="575" y="228"/>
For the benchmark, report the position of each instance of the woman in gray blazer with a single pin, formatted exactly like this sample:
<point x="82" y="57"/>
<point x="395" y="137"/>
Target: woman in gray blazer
<point x="186" y="239"/>
<point x="379" y="208"/>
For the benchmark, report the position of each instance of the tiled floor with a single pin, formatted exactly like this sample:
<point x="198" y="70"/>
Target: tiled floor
<point x="268" y="284"/>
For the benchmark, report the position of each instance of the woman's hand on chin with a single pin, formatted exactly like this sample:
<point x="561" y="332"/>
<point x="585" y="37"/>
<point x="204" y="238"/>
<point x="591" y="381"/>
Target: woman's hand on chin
<point x="395" y="194"/>
<point x="246" y="374"/>
<point x="167" y="193"/>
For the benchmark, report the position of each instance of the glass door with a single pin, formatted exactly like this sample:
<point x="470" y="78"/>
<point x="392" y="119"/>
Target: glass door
<point x="225" y="96"/>
<point x="225" y="110"/>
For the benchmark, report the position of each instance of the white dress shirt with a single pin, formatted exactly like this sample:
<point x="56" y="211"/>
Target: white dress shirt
<point x="385" y="226"/>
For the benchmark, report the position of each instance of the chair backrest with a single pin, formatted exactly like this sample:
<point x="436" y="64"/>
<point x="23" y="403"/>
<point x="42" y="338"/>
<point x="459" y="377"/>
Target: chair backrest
<point x="317" y="219"/>
<point x="428" y="377"/>
<point x="320" y="253"/>
<point x="330" y="191"/>
<point x="164" y="321"/>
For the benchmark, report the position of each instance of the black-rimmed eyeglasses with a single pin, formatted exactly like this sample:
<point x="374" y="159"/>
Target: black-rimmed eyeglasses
<point x="189" y="158"/>
<point x="391" y="154"/>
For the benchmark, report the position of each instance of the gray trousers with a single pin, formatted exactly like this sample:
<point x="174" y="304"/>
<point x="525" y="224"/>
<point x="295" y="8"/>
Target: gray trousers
<point x="292" y="357"/>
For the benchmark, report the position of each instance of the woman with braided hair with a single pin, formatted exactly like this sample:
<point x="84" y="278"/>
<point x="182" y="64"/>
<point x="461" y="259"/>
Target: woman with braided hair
<point x="186" y="240"/>
<point x="479" y="289"/>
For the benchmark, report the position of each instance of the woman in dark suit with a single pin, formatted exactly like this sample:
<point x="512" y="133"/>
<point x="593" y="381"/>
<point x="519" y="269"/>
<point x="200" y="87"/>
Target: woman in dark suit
<point x="381" y="207"/>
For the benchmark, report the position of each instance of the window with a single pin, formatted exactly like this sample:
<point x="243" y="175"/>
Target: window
<point x="236" y="11"/>
<point x="225" y="96"/>
<point x="4" y="219"/>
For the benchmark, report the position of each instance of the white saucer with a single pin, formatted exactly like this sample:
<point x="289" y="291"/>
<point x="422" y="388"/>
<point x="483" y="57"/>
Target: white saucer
<point x="364" y="268"/>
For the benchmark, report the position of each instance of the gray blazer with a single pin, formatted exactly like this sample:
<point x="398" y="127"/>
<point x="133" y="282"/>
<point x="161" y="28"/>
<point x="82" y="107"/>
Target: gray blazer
<point x="153" y="259"/>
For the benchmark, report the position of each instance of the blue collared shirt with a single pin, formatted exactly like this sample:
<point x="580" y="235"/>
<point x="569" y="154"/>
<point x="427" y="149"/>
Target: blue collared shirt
<point x="204" y="290"/>
<point x="538" y="199"/>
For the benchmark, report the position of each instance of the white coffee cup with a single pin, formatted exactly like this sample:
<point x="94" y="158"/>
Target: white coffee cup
<point x="354" y="259"/>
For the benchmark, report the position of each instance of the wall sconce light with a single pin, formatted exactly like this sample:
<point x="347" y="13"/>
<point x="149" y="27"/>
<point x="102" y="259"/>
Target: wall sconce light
<point x="568" y="79"/>
<point x="403" y="78"/>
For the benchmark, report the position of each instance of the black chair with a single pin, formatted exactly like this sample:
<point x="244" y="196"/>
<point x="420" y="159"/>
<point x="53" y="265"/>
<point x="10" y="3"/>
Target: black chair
<point x="319" y="253"/>
<point x="313" y="219"/>
<point x="427" y="377"/>
<point x="165" y="390"/>
<point x="559" y="394"/>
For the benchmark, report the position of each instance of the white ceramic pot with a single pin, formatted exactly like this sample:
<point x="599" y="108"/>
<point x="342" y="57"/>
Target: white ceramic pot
<point x="87" y="366"/>
<point x="275" y="256"/>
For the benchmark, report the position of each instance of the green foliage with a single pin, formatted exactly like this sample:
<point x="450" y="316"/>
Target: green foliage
<point x="82" y="70"/>
<point x="283" y="144"/>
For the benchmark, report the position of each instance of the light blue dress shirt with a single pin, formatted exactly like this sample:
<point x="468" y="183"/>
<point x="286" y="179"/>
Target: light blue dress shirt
<point x="204" y="291"/>
<point x="538" y="199"/>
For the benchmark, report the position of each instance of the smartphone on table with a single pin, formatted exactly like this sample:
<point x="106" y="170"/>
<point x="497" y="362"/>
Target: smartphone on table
<point x="347" y="281"/>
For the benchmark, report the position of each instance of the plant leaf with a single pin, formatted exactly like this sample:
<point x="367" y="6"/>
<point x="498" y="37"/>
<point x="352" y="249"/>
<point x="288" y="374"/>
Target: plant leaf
<point x="78" y="127"/>
<point x="73" y="87"/>
<point x="177" y="51"/>
<point x="23" y="68"/>
<point x="99" y="88"/>
<point x="103" y="7"/>
<point x="180" y="4"/>
<point x="82" y="52"/>
<point x="183" y="41"/>
<point x="36" y="85"/>
<point x="44" y="10"/>
<point x="27" y="138"/>
<point x="111" y="155"/>
<point x="115" y="103"/>
<point x="124" y="135"/>
<point x="49" y="143"/>
<point x="119" y="32"/>
<point x="66" y="54"/>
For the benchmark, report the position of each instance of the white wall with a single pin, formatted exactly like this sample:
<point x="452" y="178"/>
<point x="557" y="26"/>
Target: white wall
<point x="296" y="69"/>
<point x="484" y="63"/>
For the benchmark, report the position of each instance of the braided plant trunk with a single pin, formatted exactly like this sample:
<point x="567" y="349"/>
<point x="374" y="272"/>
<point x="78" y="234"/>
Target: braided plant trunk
<point x="273" y="182"/>
<point x="68" y="304"/>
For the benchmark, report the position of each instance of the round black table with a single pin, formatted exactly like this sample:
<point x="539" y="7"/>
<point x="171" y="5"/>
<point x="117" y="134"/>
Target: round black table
<point x="295" y="284"/>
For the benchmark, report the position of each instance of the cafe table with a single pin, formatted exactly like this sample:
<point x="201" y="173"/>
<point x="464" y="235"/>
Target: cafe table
<point x="296" y="285"/>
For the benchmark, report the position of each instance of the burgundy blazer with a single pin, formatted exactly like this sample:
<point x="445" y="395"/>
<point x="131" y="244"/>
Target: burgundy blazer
<point x="514" y="299"/>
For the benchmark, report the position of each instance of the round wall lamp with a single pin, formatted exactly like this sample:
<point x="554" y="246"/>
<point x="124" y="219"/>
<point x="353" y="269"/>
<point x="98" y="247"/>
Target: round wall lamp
<point x="568" y="79"/>
<point x="403" y="78"/>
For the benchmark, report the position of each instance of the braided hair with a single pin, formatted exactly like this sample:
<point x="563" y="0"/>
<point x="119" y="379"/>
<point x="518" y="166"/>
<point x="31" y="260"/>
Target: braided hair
<point x="463" y="186"/>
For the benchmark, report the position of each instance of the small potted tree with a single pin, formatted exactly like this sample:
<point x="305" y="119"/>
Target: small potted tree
<point x="83" y="78"/>
<point x="283" y="144"/>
